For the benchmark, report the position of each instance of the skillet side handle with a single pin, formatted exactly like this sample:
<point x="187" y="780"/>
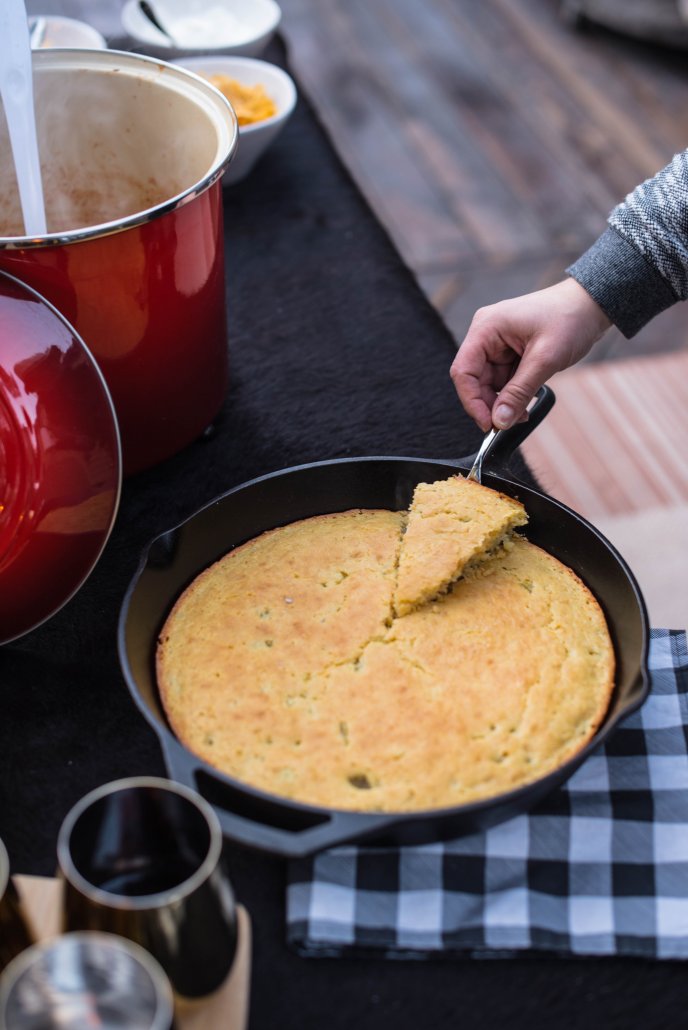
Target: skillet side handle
<point x="509" y="440"/>
<point x="309" y="833"/>
<point x="340" y="828"/>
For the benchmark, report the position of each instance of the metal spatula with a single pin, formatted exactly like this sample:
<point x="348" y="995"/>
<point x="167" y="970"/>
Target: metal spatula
<point x="485" y="448"/>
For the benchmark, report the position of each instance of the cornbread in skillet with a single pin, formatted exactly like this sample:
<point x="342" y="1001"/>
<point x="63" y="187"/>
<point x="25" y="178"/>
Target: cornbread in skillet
<point x="450" y="523"/>
<point x="283" y="666"/>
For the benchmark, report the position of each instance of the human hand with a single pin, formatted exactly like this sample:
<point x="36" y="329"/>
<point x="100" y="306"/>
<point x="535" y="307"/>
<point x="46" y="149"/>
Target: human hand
<point x="513" y="347"/>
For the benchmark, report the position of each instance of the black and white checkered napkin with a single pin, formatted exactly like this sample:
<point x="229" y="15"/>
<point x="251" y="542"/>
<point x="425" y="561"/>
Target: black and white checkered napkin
<point x="599" y="868"/>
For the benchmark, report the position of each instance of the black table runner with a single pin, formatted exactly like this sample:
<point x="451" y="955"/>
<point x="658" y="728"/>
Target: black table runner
<point x="334" y="352"/>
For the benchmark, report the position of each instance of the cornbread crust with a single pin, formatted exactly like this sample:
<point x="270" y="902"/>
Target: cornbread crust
<point x="451" y="523"/>
<point x="282" y="666"/>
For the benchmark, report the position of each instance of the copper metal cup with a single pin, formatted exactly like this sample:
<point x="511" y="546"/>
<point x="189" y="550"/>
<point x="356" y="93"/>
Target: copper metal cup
<point x="15" y="933"/>
<point x="142" y="858"/>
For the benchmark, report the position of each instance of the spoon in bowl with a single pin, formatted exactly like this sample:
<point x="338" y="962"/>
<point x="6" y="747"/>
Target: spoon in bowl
<point x="154" y="19"/>
<point x="16" y="90"/>
<point x="38" y="28"/>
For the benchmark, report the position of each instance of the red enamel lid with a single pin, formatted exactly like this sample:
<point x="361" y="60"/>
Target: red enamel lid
<point x="60" y="460"/>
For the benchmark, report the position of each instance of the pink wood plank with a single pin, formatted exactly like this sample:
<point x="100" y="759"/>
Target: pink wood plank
<point x="613" y="443"/>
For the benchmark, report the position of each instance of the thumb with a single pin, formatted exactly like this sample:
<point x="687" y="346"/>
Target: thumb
<point x="516" y="395"/>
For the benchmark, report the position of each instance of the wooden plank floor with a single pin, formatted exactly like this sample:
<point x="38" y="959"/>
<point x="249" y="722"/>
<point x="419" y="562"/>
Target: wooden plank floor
<point x="614" y="449"/>
<point x="598" y="452"/>
<point x="492" y="139"/>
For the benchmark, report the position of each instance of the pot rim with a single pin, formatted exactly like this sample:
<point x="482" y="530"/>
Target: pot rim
<point x="173" y="77"/>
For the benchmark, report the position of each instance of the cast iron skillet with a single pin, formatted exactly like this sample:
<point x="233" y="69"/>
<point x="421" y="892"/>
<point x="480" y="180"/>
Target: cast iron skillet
<point x="172" y="560"/>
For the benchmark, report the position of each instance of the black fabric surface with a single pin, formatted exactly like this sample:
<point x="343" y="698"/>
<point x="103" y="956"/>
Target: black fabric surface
<point x="334" y="352"/>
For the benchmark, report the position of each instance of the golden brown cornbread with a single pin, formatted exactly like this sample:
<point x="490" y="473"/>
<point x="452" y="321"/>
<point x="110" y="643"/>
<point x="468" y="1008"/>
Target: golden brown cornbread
<point x="451" y="523"/>
<point x="283" y="666"/>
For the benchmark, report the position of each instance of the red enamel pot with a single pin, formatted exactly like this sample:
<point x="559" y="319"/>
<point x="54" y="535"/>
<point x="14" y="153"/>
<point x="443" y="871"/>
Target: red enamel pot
<point x="132" y="154"/>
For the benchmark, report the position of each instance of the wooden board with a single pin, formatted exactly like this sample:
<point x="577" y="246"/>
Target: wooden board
<point x="227" y="1008"/>
<point x="490" y="137"/>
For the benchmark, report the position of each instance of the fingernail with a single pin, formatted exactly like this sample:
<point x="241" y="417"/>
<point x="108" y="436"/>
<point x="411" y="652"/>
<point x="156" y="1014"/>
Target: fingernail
<point x="503" y="416"/>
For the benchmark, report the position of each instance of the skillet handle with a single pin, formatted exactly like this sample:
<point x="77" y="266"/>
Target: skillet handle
<point x="509" y="440"/>
<point x="258" y="821"/>
<point x="339" y="828"/>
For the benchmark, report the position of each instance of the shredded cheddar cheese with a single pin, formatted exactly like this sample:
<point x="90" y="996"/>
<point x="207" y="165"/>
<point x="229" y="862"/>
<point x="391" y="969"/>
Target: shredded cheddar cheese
<point x="251" y="103"/>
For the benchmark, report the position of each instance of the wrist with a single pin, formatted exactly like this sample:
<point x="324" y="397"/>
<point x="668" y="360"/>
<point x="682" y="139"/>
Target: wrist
<point x="623" y="282"/>
<point x="585" y="309"/>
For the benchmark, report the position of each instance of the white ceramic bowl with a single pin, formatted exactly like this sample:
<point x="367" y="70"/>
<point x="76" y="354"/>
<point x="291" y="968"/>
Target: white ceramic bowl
<point x="67" y="32"/>
<point x="239" y="27"/>
<point x="256" y="138"/>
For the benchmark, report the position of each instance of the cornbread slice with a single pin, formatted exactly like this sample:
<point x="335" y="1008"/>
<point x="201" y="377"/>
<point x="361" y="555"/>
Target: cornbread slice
<point x="283" y="667"/>
<point x="451" y="523"/>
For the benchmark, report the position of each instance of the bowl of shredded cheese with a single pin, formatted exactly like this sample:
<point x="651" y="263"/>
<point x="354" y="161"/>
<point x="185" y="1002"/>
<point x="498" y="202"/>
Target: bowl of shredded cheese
<point x="263" y="97"/>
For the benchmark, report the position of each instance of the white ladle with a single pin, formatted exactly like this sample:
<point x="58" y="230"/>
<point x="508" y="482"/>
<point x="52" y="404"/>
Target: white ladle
<point x="16" y="89"/>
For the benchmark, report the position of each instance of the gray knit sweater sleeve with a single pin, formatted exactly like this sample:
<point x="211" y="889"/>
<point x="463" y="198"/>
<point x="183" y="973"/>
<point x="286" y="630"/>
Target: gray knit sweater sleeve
<point x="639" y="266"/>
